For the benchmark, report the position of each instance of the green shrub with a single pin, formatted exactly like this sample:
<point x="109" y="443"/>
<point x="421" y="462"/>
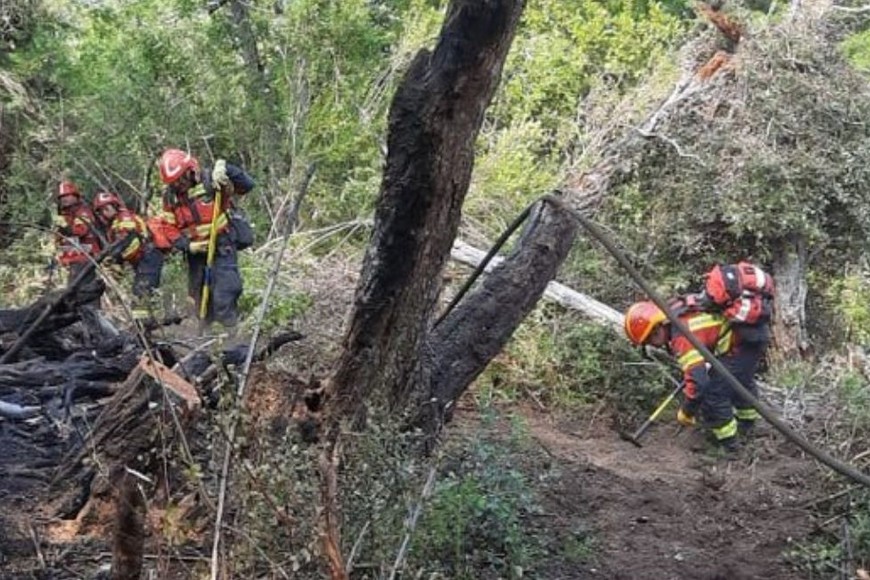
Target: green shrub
<point x="285" y="304"/>
<point x="473" y="525"/>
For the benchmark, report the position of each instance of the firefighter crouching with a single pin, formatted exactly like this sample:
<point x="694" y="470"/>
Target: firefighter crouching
<point x="136" y="249"/>
<point x="707" y="394"/>
<point x="189" y="210"/>
<point x="78" y="241"/>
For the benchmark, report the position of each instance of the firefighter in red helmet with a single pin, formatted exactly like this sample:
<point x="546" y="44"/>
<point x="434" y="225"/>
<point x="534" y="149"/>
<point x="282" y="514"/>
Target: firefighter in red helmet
<point x="706" y="393"/>
<point x="190" y="211"/>
<point x="136" y="249"/>
<point x="77" y="237"/>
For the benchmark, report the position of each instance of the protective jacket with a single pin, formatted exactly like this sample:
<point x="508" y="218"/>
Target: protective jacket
<point x="714" y="332"/>
<point x="128" y="225"/>
<point x="77" y="237"/>
<point x="721" y="407"/>
<point x="191" y="213"/>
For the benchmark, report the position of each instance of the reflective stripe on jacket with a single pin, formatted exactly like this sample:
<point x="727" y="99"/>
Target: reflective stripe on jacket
<point x="714" y="332"/>
<point x="127" y="223"/>
<point x="81" y="239"/>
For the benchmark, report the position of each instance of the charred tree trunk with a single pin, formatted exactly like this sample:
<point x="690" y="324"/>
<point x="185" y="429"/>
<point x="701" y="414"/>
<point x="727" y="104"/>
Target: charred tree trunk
<point x="434" y="120"/>
<point x="470" y="336"/>
<point x="128" y="535"/>
<point x="790" y="273"/>
<point x="129" y="432"/>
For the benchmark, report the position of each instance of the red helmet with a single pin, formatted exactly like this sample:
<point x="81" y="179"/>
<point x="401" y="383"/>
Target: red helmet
<point x="104" y="198"/>
<point x="641" y="320"/>
<point x="174" y="163"/>
<point x="68" y="188"/>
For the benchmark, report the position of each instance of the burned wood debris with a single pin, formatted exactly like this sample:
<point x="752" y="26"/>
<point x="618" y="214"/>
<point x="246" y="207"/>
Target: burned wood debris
<point x="82" y="400"/>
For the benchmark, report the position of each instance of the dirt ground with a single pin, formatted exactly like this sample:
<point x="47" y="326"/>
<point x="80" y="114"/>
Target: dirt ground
<point x="662" y="512"/>
<point x="667" y="511"/>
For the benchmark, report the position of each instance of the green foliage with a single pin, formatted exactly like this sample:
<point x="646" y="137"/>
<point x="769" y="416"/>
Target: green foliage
<point x="24" y="275"/>
<point x="850" y="296"/>
<point x="581" y="546"/>
<point x="285" y="304"/>
<point x="564" y="48"/>
<point x="569" y="362"/>
<point x="473" y="526"/>
<point x="824" y="555"/>
<point x="856" y="48"/>
<point x="817" y="559"/>
<point x="785" y="137"/>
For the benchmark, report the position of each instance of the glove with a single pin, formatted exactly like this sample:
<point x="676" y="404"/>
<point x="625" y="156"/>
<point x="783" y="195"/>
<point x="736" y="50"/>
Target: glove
<point x="685" y="418"/>
<point x="182" y="244"/>
<point x="61" y="226"/>
<point x="219" y="175"/>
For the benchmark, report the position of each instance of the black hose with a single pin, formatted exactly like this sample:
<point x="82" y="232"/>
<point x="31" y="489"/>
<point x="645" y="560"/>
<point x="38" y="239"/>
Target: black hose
<point x="486" y="260"/>
<point x="839" y="466"/>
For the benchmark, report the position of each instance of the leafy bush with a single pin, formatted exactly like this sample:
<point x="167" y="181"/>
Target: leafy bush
<point x="473" y="525"/>
<point x="568" y="361"/>
<point x="850" y="297"/>
<point x="285" y="304"/>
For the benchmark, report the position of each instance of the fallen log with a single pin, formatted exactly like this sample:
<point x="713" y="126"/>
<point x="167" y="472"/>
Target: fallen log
<point x="139" y="425"/>
<point x="131" y="432"/>
<point x="559" y="293"/>
<point x="82" y="366"/>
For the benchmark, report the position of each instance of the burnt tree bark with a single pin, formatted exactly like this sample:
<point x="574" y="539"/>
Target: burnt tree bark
<point x="789" y="321"/>
<point x="473" y="333"/>
<point x="433" y="122"/>
<point x="390" y="347"/>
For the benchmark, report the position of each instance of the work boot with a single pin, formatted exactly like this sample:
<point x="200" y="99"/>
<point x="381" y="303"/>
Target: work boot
<point x="745" y="429"/>
<point x="729" y="447"/>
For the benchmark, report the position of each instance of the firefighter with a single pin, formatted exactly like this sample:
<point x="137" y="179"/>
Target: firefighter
<point x="136" y="249"/>
<point x="707" y="394"/>
<point x="188" y="211"/>
<point x="77" y="237"/>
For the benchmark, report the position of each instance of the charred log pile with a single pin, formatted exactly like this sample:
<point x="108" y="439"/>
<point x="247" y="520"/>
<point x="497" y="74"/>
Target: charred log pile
<point x="84" y="404"/>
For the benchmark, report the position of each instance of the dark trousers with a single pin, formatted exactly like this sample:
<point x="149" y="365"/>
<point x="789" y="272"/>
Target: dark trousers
<point x="148" y="271"/>
<point x="719" y="401"/>
<point x="226" y="283"/>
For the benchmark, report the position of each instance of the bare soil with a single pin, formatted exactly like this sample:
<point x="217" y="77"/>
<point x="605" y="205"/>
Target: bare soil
<point x="669" y="510"/>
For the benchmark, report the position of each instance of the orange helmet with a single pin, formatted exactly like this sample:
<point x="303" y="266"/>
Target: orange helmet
<point x="174" y="163"/>
<point x="68" y="188"/>
<point x="104" y="198"/>
<point x="641" y="319"/>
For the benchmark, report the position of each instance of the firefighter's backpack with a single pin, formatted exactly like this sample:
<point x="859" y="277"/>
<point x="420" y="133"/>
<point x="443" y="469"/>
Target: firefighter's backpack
<point x="742" y="292"/>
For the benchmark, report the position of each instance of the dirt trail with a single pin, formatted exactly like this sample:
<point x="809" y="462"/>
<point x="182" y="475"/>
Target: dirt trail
<point x="667" y="512"/>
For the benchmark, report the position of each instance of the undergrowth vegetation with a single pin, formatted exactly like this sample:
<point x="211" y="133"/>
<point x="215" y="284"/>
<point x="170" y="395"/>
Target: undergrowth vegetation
<point x="771" y="164"/>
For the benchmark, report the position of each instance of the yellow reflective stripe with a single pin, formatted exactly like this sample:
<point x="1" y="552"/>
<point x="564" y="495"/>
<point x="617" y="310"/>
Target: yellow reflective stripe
<point x="204" y="230"/>
<point x="197" y="190"/>
<point x="690" y="358"/>
<point x="131" y="250"/>
<point x="168" y="217"/>
<point x="727" y="430"/>
<point x="703" y="321"/>
<point x="129" y="224"/>
<point x="749" y="414"/>
<point x="723" y="344"/>
<point x="140" y="313"/>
